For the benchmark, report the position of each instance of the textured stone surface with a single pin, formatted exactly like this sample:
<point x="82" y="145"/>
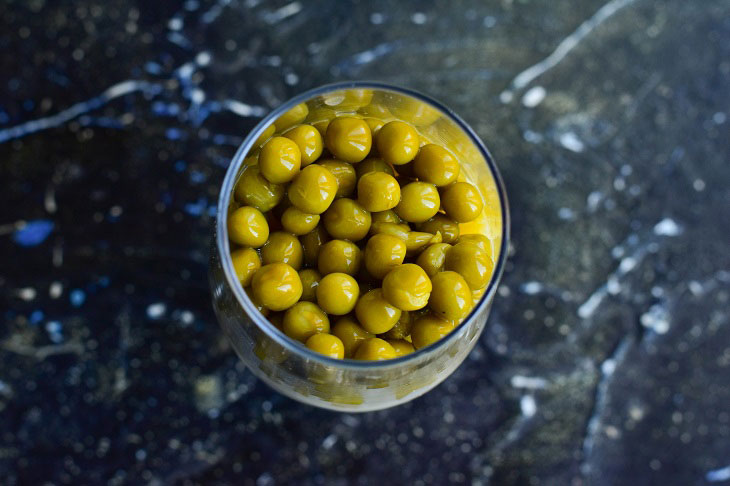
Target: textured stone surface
<point x="607" y="356"/>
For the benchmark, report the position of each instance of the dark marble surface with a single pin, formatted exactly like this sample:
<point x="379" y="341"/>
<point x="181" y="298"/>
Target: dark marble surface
<point x="607" y="356"/>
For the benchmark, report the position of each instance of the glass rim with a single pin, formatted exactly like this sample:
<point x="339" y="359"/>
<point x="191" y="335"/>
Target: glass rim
<point x="223" y="245"/>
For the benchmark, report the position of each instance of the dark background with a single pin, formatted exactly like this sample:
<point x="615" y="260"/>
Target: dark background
<point x="606" y="359"/>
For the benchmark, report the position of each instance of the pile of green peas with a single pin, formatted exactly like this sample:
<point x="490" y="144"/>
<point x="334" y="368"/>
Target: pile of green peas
<point x="345" y="234"/>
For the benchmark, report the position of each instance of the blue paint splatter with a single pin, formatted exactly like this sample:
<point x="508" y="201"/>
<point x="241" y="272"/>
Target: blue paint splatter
<point x="54" y="328"/>
<point x="197" y="177"/>
<point x="153" y="68"/>
<point x="28" y="105"/>
<point x="180" y="165"/>
<point x="212" y="211"/>
<point x="174" y="134"/>
<point x="4" y="117"/>
<point x="104" y="281"/>
<point x="77" y="297"/>
<point x="58" y="78"/>
<point x="165" y="109"/>
<point x="33" y="233"/>
<point x="36" y="316"/>
<point x="196" y="208"/>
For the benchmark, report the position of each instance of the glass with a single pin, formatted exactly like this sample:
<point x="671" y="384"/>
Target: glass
<point x="349" y="385"/>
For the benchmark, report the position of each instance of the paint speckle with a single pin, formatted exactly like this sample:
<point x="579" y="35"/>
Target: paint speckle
<point x="667" y="227"/>
<point x="36" y="316"/>
<point x="570" y="141"/>
<point x="656" y="319"/>
<point x="534" y="96"/>
<point x="156" y="310"/>
<point x="54" y="330"/>
<point x="77" y="297"/>
<point x="203" y="58"/>
<point x="419" y="18"/>
<point x="329" y="442"/>
<point x="33" y="233"/>
<point x="528" y="406"/>
<point x="55" y="290"/>
<point x="717" y="475"/>
<point x="531" y="288"/>
<point x="26" y="293"/>
<point x="528" y="382"/>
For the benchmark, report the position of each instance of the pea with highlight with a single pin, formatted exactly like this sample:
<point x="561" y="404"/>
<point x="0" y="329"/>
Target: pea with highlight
<point x="407" y="287"/>
<point x="397" y="142"/>
<point x="462" y="202"/>
<point x="348" y="139"/>
<point x="254" y="190"/>
<point x="419" y="202"/>
<point x="375" y="349"/>
<point x="451" y="296"/>
<point x="429" y="329"/>
<point x="310" y="280"/>
<point x="347" y="220"/>
<point x="351" y="334"/>
<point x="436" y="165"/>
<point x="313" y="189"/>
<point x="327" y="345"/>
<point x="345" y="175"/>
<point x="295" y="115"/>
<point x="472" y="262"/>
<point x="339" y="256"/>
<point x="248" y="227"/>
<point x="276" y="286"/>
<point x="337" y="293"/>
<point x="280" y="160"/>
<point x="297" y="222"/>
<point x="378" y="191"/>
<point x="283" y="247"/>
<point x="309" y="141"/>
<point x="383" y="253"/>
<point x="375" y="313"/>
<point x="303" y="320"/>
<point x="441" y="223"/>
<point x="245" y="263"/>
<point x="433" y="258"/>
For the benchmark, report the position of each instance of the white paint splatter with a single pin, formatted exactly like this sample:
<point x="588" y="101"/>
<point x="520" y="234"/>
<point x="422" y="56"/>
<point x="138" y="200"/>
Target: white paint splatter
<point x="717" y="475"/>
<point x="570" y="141"/>
<point x="531" y="288"/>
<point x="329" y="441"/>
<point x="534" y="96"/>
<point x="656" y="319"/>
<point x="175" y="23"/>
<point x="203" y="58"/>
<point x="566" y="214"/>
<point x="243" y="109"/>
<point x="528" y="382"/>
<point x="26" y="293"/>
<point x="115" y="91"/>
<point x="627" y="264"/>
<point x="593" y="200"/>
<point x="419" y="18"/>
<point x="156" y="310"/>
<point x="667" y="227"/>
<point x="55" y="290"/>
<point x="528" y="406"/>
<point x="588" y="307"/>
<point x="282" y="13"/>
<point x="564" y="47"/>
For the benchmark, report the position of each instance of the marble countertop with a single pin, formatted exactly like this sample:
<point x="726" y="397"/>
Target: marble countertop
<point x="606" y="359"/>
